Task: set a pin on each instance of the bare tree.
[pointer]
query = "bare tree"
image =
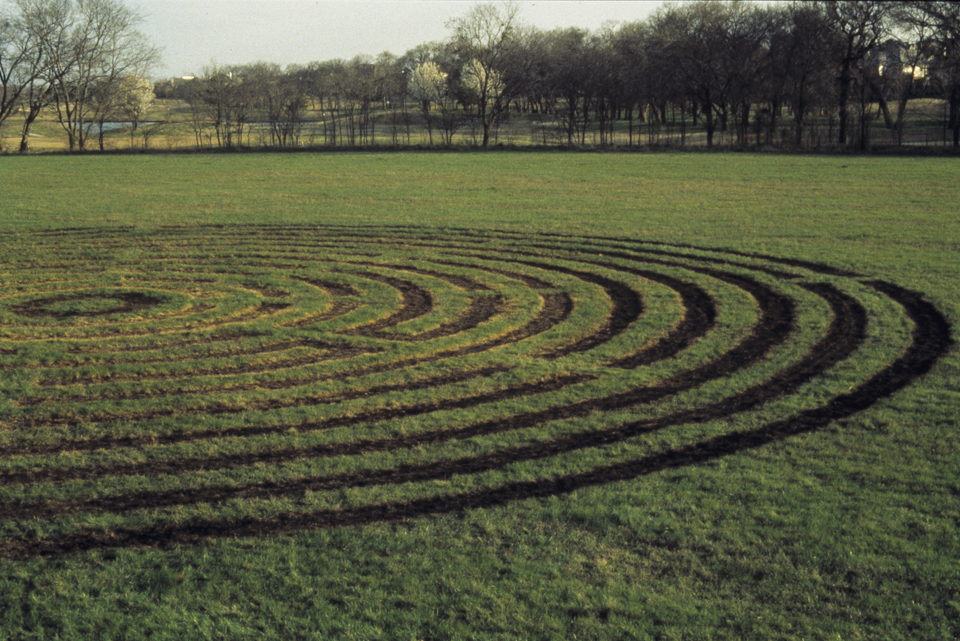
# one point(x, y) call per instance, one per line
point(800, 71)
point(24, 86)
point(18, 64)
point(483, 39)
point(136, 96)
point(860, 26)
point(88, 47)
point(689, 38)
point(942, 63)
point(902, 63)
point(566, 72)
point(630, 44)
point(224, 97)
point(361, 91)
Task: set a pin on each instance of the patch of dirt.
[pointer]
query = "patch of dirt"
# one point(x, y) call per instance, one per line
point(122, 303)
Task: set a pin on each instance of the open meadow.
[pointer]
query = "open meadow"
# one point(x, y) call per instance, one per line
point(479, 395)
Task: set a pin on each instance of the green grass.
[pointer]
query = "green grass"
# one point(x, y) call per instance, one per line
point(850, 531)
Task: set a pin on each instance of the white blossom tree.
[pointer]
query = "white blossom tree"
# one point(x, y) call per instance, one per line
point(428, 85)
point(136, 96)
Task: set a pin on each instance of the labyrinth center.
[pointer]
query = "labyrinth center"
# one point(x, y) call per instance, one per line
point(204, 382)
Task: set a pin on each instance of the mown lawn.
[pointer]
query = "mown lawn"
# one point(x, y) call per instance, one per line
point(849, 531)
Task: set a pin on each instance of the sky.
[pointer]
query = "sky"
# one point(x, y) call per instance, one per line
point(194, 34)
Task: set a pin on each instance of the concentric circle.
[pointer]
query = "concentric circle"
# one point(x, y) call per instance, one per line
point(85, 305)
point(252, 380)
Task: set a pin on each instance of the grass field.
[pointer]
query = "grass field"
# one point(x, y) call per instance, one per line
point(479, 395)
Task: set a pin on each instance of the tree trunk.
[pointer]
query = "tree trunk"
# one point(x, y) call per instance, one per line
point(798, 114)
point(708, 113)
point(31, 116)
point(955, 115)
point(844, 99)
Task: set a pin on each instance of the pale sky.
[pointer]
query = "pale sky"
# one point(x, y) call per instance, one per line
point(197, 33)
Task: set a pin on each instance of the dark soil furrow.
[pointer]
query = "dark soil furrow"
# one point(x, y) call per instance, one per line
point(194, 339)
point(280, 247)
point(462, 282)
point(778, 273)
point(931, 340)
point(627, 308)
point(846, 333)
point(332, 288)
point(328, 352)
point(699, 317)
point(530, 281)
point(186, 437)
point(415, 302)
point(773, 328)
point(120, 331)
point(555, 310)
point(337, 309)
point(275, 456)
point(480, 310)
point(229, 351)
point(818, 268)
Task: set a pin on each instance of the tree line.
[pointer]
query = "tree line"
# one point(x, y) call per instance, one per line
point(798, 74)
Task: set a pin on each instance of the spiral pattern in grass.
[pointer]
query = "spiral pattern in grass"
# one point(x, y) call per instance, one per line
point(200, 382)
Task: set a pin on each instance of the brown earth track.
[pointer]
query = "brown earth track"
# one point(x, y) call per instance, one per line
point(192, 310)
point(700, 309)
point(480, 310)
point(462, 282)
point(332, 288)
point(530, 281)
point(656, 252)
point(439, 244)
point(589, 277)
point(846, 333)
point(699, 318)
point(773, 328)
point(193, 339)
point(105, 443)
point(227, 352)
point(127, 303)
point(930, 340)
point(627, 308)
point(556, 308)
point(263, 310)
point(180, 466)
point(818, 268)
point(329, 352)
point(337, 309)
point(266, 291)
point(676, 339)
point(415, 302)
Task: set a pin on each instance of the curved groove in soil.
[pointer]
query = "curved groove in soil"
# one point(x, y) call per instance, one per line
point(556, 308)
point(776, 323)
point(930, 340)
point(415, 301)
point(773, 328)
